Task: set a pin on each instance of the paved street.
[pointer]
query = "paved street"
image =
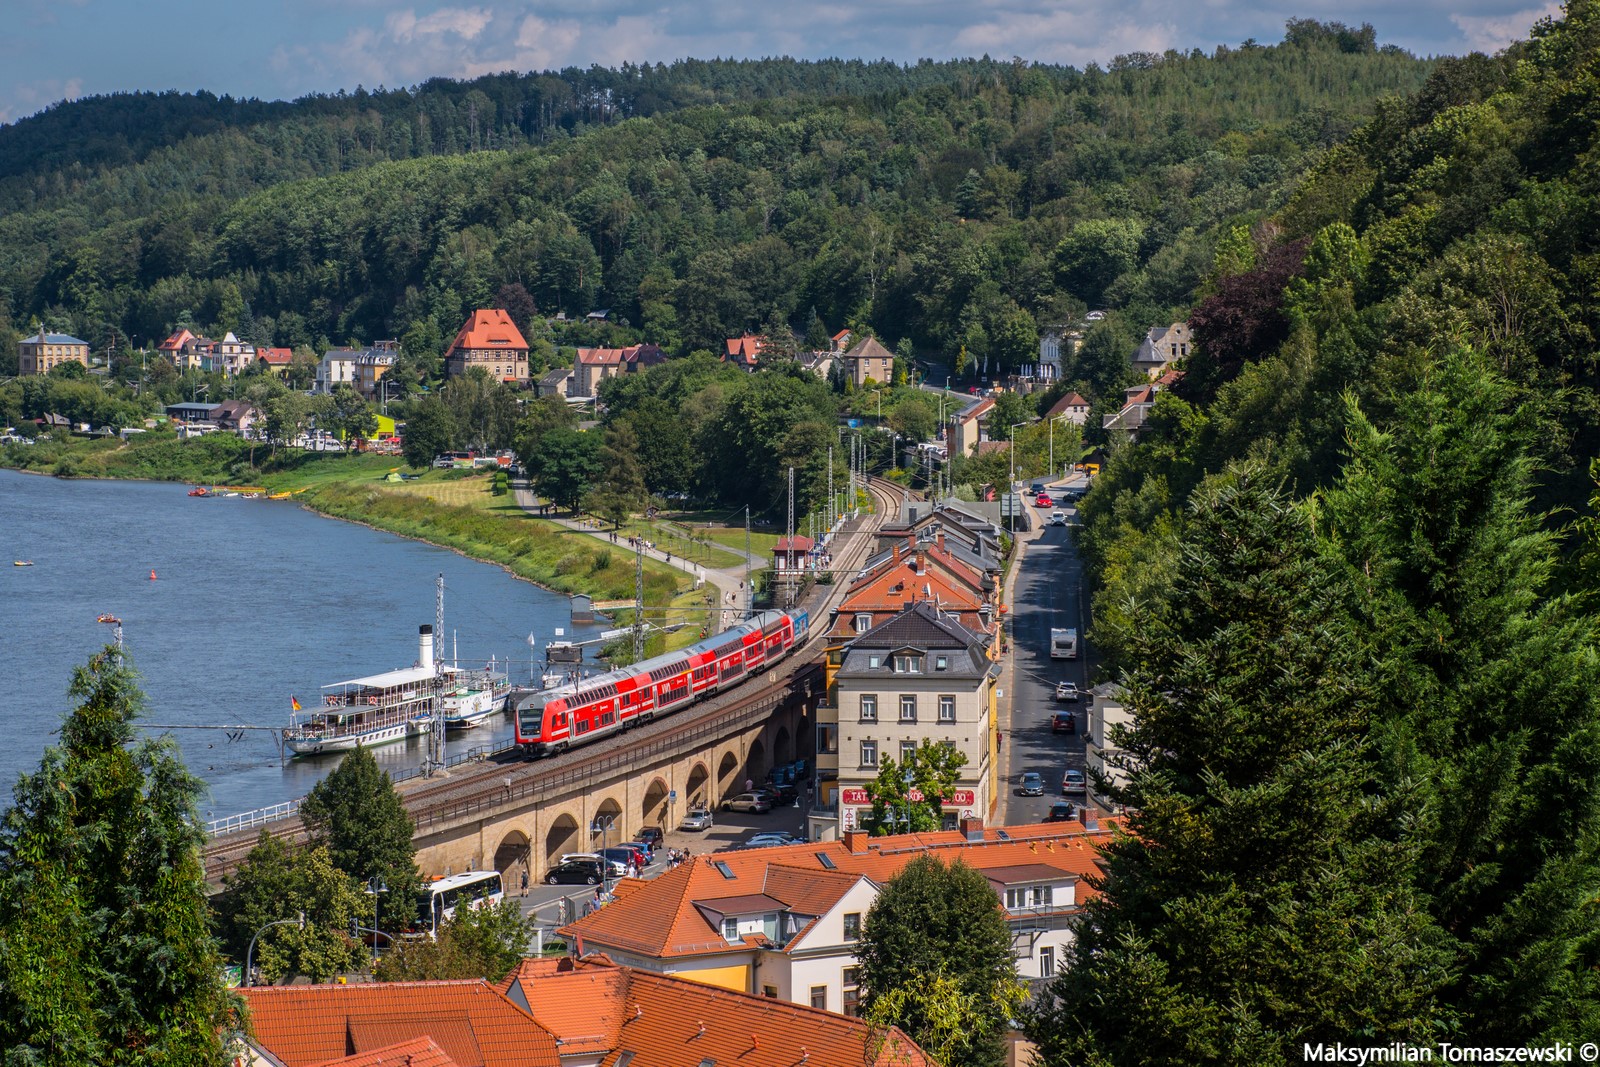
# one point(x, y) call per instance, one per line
point(1047, 593)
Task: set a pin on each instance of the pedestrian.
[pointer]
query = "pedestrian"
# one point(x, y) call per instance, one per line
point(524, 881)
point(749, 785)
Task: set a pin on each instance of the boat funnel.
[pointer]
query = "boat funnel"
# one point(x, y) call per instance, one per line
point(425, 647)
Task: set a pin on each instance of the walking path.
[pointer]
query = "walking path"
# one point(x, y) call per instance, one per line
point(729, 582)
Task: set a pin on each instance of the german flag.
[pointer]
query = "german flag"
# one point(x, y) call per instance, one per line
point(293, 703)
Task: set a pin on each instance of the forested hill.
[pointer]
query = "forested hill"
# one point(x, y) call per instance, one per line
point(930, 202)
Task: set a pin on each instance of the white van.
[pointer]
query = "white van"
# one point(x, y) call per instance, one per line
point(1063, 644)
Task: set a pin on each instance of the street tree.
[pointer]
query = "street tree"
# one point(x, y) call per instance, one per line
point(473, 943)
point(357, 814)
point(278, 883)
point(931, 772)
point(1258, 900)
point(936, 960)
point(105, 953)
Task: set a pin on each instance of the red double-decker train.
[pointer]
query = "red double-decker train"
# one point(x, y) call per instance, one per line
point(556, 719)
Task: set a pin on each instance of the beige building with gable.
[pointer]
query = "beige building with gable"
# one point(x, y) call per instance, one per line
point(44, 352)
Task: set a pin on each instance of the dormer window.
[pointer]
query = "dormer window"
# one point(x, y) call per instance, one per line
point(941, 663)
point(874, 662)
point(730, 929)
point(863, 622)
point(908, 664)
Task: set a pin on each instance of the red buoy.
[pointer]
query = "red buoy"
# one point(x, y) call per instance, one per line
point(152, 576)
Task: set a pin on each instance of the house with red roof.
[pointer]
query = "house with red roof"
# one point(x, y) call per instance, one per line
point(1072, 407)
point(966, 427)
point(912, 570)
point(276, 359)
point(1136, 404)
point(605, 1013)
point(785, 922)
point(489, 339)
point(183, 350)
point(743, 352)
point(595, 365)
point(467, 1023)
point(792, 553)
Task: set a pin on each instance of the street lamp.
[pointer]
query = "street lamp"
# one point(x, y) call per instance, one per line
point(1012, 488)
point(383, 386)
point(602, 825)
point(249, 953)
point(375, 885)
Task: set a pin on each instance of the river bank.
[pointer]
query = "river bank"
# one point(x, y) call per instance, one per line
point(449, 509)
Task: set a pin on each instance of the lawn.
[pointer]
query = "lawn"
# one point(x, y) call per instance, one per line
point(673, 537)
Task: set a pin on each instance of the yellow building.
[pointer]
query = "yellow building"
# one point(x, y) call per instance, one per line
point(45, 352)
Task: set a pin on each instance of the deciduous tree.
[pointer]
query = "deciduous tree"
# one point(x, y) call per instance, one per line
point(357, 814)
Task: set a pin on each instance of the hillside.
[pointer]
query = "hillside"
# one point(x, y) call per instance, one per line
point(696, 201)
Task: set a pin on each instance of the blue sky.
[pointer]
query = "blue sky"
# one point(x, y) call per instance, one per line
point(277, 49)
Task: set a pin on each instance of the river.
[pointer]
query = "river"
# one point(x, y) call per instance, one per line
point(253, 602)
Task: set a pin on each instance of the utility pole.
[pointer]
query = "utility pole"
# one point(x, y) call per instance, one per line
point(749, 589)
point(638, 599)
point(833, 501)
point(436, 752)
point(788, 586)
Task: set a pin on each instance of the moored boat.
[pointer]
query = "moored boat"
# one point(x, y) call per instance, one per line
point(470, 697)
point(365, 712)
point(108, 617)
point(22, 563)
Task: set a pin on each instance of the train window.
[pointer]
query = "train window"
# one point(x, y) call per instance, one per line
point(608, 718)
point(581, 727)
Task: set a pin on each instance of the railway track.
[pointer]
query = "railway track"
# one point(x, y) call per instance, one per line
point(436, 804)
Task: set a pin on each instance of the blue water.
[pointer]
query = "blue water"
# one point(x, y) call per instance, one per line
point(254, 601)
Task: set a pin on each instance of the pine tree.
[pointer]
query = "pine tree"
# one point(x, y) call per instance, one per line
point(936, 961)
point(1251, 907)
point(105, 955)
point(357, 814)
point(1496, 691)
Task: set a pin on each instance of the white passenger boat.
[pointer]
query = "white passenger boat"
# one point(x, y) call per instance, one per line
point(470, 697)
point(365, 712)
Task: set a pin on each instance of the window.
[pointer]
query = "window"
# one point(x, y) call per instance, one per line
point(869, 707)
point(908, 707)
point(819, 997)
point(908, 664)
point(770, 991)
point(941, 663)
point(869, 753)
point(1047, 961)
point(852, 991)
point(947, 709)
point(1027, 896)
point(874, 662)
point(852, 926)
point(863, 622)
point(730, 929)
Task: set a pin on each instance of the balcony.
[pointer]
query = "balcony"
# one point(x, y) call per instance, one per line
point(828, 761)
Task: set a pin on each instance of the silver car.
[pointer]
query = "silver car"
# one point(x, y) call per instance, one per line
point(698, 819)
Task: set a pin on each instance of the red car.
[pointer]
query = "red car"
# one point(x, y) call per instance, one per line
point(1063, 722)
point(1043, 501)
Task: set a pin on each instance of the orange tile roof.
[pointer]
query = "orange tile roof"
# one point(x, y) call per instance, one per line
point(489, 328)
point(744, 350)
point(673, 1022)
point(584, 1009)
point(662, 919)
point(473, 1023)
point(418, 1052)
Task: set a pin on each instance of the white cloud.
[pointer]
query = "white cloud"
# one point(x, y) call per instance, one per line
point(1490, 33)
point(466, 23)
point(24, 100)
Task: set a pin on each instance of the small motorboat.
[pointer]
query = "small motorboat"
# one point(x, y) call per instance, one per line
point(108, 617)
point(278, 496)
point(22, 563)
point(199, 490)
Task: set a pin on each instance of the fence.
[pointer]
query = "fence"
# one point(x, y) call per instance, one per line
point(248, 819)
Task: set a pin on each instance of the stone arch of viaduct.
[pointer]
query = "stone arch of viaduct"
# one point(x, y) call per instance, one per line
point(656, 792)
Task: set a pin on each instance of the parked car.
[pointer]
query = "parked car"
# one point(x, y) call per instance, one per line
point(773, 839)
point(697, 819)
point(1063, 722)
point(643, 847)
point(1073, 782)
point(756, 802)
point(652, 836)
point(1060, 811)
point(574, 872)
point(624, 856)
point(1068, 691)
point(1032, 785)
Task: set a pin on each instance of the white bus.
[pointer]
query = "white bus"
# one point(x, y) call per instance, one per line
point(441, 897)
point(1063, 644)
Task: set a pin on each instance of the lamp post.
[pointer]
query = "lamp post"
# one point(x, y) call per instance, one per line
point(1012, 488)
point(375, 885)
point(249, 953)
point(602, 825)
point(383, 386)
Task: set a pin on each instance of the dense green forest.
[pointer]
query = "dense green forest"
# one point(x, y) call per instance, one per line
point(1346, 576)
point(955, 204)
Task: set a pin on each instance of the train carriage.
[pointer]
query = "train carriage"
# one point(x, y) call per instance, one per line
point(556, 719)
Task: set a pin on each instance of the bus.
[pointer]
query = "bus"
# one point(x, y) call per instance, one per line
point(441, 897)
point(1063, 644)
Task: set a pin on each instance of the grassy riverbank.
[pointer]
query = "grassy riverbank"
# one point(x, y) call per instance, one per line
point(452, 509)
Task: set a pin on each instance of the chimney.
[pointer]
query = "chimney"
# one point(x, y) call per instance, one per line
point(922, 560)
point(425, 647)
point(897, 551)
point(855, 841)
point(939, 539)
point(1091, 821)
point(972, 828)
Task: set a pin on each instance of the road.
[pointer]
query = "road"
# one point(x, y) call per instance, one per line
point(1047, 593)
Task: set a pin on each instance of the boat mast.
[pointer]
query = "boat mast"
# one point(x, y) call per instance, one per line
point(436, 733)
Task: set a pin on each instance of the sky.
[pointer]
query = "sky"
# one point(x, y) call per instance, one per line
point(52, 50)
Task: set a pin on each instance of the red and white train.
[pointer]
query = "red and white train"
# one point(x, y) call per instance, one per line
point(556, 719)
